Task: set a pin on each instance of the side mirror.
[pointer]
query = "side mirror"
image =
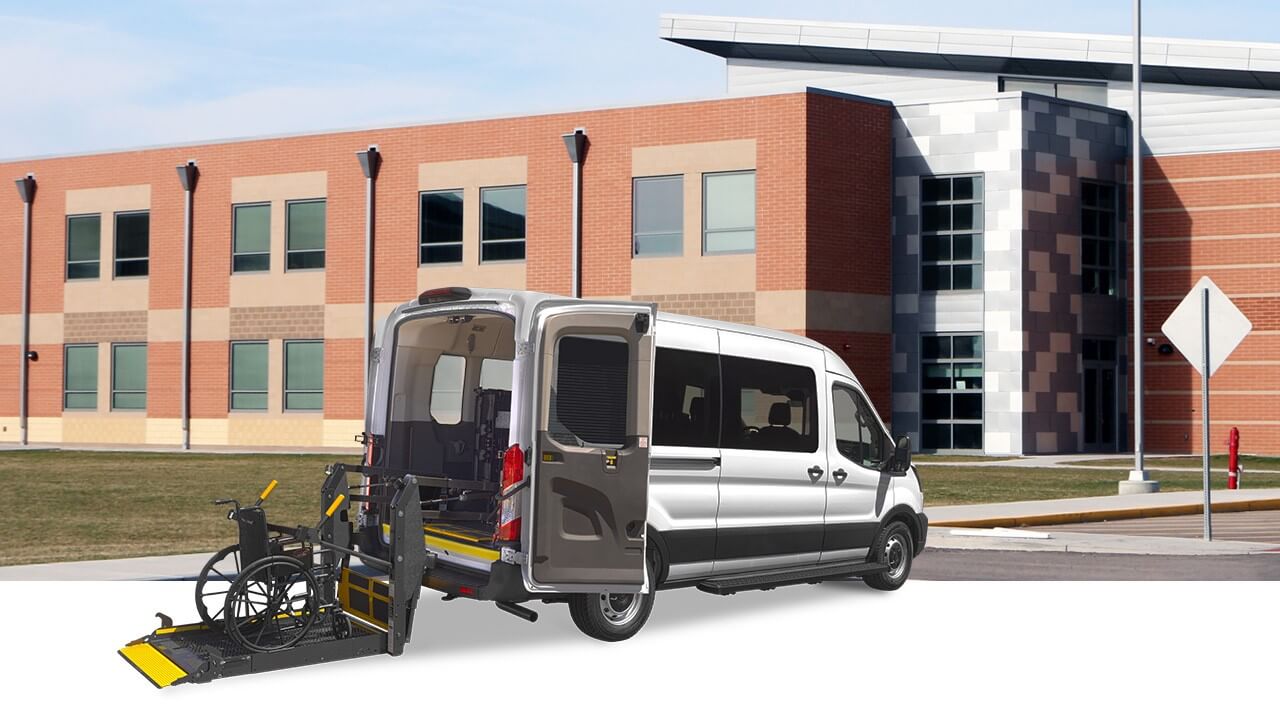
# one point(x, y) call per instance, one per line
point(900, 462)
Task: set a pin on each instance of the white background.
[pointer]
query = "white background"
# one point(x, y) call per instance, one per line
point(837, 647)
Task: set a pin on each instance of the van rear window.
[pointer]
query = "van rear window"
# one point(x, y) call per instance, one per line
point(768, 406)
point(686, 398)
point(589, 398)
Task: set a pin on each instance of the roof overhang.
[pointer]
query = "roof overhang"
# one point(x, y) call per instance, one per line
point(1061, 55)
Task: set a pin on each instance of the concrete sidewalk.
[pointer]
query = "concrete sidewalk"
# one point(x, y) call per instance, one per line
point(146, 568)
point(944, 537)
point(1071, 511)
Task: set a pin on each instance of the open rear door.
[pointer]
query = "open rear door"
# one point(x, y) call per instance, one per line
point(591, 468)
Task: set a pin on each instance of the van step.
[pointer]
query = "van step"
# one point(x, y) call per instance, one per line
point(726, 585)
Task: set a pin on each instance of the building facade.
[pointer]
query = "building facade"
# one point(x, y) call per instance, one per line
point(949, 210)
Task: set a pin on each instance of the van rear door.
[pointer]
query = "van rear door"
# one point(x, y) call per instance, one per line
point(590, 468)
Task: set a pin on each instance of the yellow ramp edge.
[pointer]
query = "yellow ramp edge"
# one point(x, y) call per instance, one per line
point(433, 539)
point(153, 664)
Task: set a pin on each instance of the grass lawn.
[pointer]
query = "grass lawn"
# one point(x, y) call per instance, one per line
point(1217, 461)
point(978, 485)
point(71, 506)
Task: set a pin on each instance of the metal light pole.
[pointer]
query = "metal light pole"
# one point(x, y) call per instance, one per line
point(370, 160)
point(27, 192)
point(1139, 480)
point(188, 174)
point(576, 143)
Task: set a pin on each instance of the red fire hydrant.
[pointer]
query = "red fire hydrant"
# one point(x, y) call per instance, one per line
point(1233, 459)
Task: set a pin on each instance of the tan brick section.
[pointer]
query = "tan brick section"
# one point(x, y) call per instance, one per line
point(125, 326)
point(289, 322)
point(733, 307)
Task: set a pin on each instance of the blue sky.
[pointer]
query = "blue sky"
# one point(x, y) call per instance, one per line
point(87, 76)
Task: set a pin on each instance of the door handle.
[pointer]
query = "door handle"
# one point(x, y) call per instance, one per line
point(840, 475)
point(815, 472)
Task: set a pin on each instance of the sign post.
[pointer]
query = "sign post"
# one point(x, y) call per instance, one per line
point(1206, 327)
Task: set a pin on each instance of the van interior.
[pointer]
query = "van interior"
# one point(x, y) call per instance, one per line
point(450, 409)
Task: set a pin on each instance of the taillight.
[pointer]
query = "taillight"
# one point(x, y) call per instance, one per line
point(509, 507)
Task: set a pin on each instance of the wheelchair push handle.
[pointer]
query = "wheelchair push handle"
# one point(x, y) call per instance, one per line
point(267, 492)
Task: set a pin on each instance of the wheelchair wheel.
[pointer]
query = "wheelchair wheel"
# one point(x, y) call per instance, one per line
point(214, 583)
point(271, 605)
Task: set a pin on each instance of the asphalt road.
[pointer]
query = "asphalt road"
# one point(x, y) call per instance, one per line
point(1260, 526)
point(975, 565)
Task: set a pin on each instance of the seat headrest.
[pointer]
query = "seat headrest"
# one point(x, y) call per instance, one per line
point(780, 414)
point(696, 407)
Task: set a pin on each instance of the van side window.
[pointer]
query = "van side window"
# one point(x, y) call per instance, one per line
point(858, 435)
point(768, 406)
point(495, 374)
point(686, 398)
point(446, 389)
point(589, 398)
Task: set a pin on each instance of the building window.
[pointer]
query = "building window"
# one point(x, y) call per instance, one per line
point(84, 237)
point(251, 238)
point(128, 377)
point(248, 376)
point(440, 227)
point(80, 377)
point(951, 233)
point(303, 374)
point(657, 216)
point(1090, 92)
point(951, 392)
point(729, 212)
point(304, 235)
point(1098, 237)
point(133, 243)
point(502, 223)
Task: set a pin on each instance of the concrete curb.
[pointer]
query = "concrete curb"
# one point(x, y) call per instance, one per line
point(1081, 517)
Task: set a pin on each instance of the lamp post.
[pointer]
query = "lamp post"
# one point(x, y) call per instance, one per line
point(188, 175)
point(1139, 480)
point(576, 144)
point(27, 192)
point(370, 160)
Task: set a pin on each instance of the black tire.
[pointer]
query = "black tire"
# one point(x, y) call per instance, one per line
point(218, 574)
point(893, 546)
point(271, 605)
point(616, 617)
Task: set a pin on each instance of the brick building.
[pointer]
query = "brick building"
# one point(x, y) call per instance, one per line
point(945, 209)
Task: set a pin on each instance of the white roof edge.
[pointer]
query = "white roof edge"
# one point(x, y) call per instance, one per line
point(668, 20)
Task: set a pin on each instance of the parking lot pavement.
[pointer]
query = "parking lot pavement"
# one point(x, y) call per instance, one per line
point(1253, 526)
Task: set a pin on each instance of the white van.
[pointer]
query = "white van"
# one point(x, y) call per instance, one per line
point(597, 452)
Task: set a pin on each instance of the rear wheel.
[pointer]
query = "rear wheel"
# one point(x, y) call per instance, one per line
point(893, 547)
point(214, 583)
point(614, 616)
point(271, 605)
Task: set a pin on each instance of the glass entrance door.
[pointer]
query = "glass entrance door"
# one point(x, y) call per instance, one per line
point(1099, 395)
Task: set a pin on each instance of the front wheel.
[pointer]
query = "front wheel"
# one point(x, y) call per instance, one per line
point(893, 548)
point(613, 617)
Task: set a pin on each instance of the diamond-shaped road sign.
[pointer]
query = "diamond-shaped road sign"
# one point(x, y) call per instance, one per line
point(1227, 326)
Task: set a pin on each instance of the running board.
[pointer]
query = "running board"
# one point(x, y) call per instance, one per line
point(726, 585)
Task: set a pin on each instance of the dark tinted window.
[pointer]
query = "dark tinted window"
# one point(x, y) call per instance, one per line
point(251, 238)
point(951, 233)
point(768, 406)
point(502, 217)
point(83, 236)
point(304, 235)
point(133, 243)
point(441, 229)
point(686, 398)
point(589, 398)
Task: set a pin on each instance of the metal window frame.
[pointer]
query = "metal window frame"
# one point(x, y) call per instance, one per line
point(952, 391)
point(284, 386)
point(1112, 243)
point(114, 390)
point(495, 241)
point(980, 201)
point(288, 231)
point(636, 235)
point(66, 349)
point(231, 376)
point(1055, 81)
point(461, 242)
point(234, 254)
point(705, 231)
point(115, 245)
point(66, 272)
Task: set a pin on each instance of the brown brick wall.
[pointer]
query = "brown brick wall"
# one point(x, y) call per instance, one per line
point(105, 327)
point(733, 307)
point(289, 322)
